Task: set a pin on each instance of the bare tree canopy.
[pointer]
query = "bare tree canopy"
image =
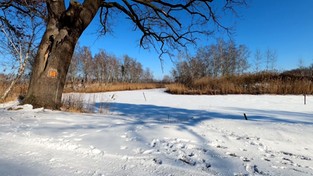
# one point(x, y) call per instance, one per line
point(171, 23)
point(164, 25)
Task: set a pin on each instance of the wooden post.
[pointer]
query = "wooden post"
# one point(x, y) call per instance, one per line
point(244, 114)
point(144, 96)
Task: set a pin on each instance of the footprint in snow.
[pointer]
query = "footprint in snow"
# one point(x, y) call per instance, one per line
point(123, 147)
point(95, 151)
point(218, 146)
point(231, 154)
point(69, 135)
point(77, 139)
point(245, 159)
point(124, 136)
point(301, 157)
point(157, 160)
point(265, 159)
point(252, 169)
point(148, 151)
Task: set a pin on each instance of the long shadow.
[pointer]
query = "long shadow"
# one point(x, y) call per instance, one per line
point(131, 115)
point(277, 116)
point(8, 167)
point(163, 114)
point(146, 115)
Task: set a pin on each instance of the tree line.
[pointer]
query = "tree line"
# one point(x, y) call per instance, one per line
point(222, 59)
point(105, 68)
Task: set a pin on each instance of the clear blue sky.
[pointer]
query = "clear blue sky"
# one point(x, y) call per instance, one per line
point(284, 26)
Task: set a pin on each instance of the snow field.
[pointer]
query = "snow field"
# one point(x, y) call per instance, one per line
point(149, 132)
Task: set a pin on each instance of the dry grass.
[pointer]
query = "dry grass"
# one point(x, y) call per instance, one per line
point(21, 89)
point(265, 83)
point(18, 90)
point(73, 103)
point(76, 103)
point(98, 87)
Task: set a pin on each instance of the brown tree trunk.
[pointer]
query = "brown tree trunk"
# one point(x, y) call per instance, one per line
point(55, 51)
point(49, 72)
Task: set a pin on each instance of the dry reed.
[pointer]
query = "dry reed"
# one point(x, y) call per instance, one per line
point(17, 90)
point(265, 83)
point(101, 87)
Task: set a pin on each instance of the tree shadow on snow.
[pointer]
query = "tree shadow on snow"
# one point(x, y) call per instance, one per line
point(277, 116)
point(132, 116)
point(9, 167)
point(163, 114)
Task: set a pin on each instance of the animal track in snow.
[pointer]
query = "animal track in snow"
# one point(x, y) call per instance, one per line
point(181, 151)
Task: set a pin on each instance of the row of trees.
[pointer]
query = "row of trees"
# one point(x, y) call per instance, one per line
point(220, 59)
point(105, 68)
point(225, 58)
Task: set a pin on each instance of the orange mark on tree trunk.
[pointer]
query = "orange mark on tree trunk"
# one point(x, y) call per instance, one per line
point(52, 73)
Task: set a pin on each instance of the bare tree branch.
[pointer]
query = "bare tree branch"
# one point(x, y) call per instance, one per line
point(165, 21)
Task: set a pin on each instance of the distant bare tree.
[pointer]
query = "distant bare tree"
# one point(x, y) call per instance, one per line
point(131, 70)
point(301, 63)
point(74, 69)
point(181, 73)
point(196, 68)
point(301, 66)
point(258, 57)
point(167, 79)
point(86, 61)
point(114, 69)
point(147, 76)
point(221, 59)
point(242, 59)
point(271, 59)
point(100, 66)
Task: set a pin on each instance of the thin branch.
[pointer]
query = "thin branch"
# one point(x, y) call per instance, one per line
point(158, 20)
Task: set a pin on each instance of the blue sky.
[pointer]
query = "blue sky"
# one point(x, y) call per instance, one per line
point(283, 26)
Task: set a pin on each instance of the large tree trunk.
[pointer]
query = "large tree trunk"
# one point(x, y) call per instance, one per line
point(55, 51)
point(49, 72)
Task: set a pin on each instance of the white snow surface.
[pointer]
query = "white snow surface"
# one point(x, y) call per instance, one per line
point(150, 132)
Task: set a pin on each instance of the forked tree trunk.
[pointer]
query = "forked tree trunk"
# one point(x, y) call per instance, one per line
point(49, 72)
point(55, 51)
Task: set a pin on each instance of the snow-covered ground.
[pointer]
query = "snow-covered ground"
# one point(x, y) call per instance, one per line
point(149, 132)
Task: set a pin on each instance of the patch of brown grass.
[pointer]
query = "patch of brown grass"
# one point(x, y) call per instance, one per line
point(17, 90)
point(177, 88)
point(73, 103)
point(264, 83)
point(98, 87)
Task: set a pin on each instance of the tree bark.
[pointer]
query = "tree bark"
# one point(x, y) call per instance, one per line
point(55, 51)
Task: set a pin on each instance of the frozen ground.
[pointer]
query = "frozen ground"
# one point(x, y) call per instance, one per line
point(149, 132)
